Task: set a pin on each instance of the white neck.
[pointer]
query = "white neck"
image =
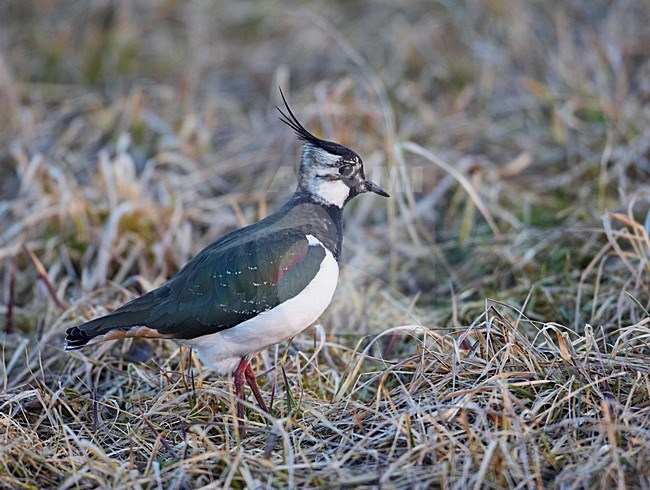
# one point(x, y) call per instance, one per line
point(329, 192)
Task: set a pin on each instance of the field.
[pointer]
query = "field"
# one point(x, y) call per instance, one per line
point(490, 328)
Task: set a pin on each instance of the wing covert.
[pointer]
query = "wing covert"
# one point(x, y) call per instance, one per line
point(221, 288)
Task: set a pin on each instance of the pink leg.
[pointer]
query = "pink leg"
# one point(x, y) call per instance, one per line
point(240, 376)
point(244, 372)
point(252, 382)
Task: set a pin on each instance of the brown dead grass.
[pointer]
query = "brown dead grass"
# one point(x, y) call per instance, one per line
point(490, 329)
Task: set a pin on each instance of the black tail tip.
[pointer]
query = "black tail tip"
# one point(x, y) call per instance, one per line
point(75, 338)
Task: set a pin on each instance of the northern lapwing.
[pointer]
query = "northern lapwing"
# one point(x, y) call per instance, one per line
point(258, 285)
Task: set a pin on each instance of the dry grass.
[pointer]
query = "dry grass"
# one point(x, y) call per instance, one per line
point(491, 324)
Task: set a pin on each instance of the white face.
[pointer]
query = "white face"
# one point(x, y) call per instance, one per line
point(330, 192)
point(321, 176)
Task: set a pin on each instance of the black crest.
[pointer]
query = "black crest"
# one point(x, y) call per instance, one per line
point(329, 146)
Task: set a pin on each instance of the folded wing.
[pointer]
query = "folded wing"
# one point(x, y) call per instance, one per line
point(218, 289)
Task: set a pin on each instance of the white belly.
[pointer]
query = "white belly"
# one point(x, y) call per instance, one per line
point(223, 350)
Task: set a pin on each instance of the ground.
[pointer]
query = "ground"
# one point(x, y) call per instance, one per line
point(490, 328)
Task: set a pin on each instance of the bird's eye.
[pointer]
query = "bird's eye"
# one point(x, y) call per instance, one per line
point(345, 170)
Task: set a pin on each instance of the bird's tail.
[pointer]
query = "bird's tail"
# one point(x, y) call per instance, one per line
point(112, 326)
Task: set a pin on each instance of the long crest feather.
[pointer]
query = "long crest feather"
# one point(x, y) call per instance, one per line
point(292, 121)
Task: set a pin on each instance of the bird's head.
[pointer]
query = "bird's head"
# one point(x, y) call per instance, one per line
point(330, 173)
